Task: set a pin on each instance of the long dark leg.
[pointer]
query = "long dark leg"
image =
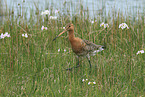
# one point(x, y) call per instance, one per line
point(78, 64)
point(74, 66)
point(88, 57)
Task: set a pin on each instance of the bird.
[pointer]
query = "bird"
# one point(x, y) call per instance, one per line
point(81, 47)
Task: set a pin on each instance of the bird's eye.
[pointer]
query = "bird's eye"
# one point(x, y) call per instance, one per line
point(69, 26)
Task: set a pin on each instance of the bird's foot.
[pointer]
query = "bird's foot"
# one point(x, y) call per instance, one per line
point(69, 69)
point(73, 67)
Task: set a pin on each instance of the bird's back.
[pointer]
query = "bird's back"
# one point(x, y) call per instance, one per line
point(92, 48)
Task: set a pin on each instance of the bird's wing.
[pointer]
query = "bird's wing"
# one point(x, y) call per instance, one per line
point(91, 46)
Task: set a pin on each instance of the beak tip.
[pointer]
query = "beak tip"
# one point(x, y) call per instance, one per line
point(54, 38)
point(59, 34)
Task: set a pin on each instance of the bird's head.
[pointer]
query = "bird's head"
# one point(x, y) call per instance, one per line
point(69, 27)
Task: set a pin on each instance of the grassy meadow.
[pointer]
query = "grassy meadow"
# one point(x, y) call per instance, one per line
point(35, 66)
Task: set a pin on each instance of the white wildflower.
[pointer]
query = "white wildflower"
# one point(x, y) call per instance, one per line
point(6, 34)
point(104, 25)
point(25, 35)
point(46, 12)
point(53, 17)
point(94, 82)
point(2, 36)
point(83, 80)
point(140, 52)
point(42, 28)
point(56, 11)
point(89, 83)
point(123, 26)
point(64, 50)
point(58, 50)
point(92, 22)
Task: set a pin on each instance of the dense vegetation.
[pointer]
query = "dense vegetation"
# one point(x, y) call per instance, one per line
point(34, 65)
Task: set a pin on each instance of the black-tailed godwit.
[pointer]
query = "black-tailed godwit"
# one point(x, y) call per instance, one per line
point(79, 46)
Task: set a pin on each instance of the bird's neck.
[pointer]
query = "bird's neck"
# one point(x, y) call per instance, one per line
point(71, 35)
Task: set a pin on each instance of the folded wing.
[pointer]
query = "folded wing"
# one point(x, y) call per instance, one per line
point(92, 48)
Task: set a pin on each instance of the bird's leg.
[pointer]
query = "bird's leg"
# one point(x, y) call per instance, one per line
point(88, 57)
point(75, 66)
point(78, 64)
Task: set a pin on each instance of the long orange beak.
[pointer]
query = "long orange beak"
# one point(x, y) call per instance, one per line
point(60, 34)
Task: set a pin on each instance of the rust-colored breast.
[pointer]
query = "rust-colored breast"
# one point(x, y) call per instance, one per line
point(78, 47)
